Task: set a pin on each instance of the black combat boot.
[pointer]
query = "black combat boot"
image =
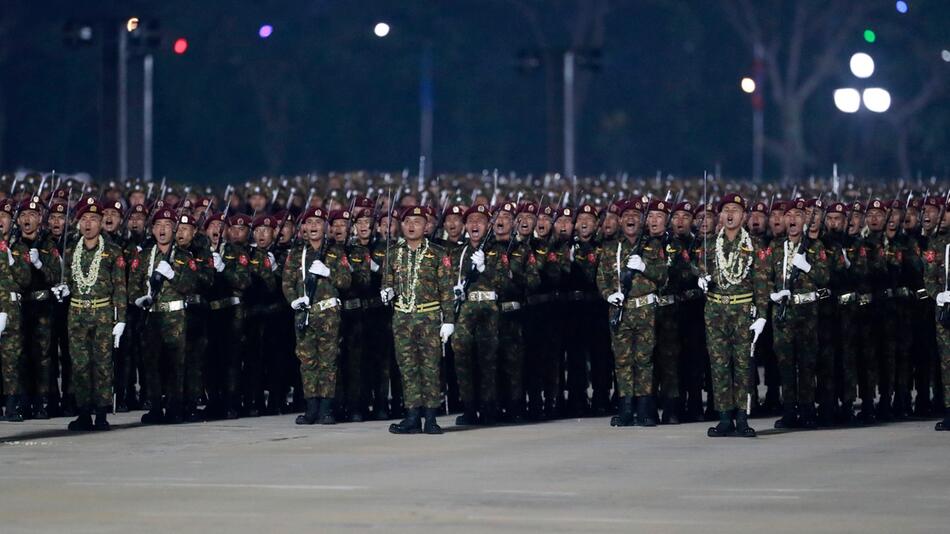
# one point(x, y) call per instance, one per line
point(626, 416)
point(514, 412)
point(789, 417)
point(313, 412)
point(82, 423)
point(326, 412)
point(14, 412)
point(154, 415)
point(743, 430)
point(845, 415)
point(431, 426)
point(808, 420)
point(671, 414)
point(101, 423)
point(867, 415)
point(39, 408)
point(380, 413)
point(646, 408)
point(410, 425)
point(174, 413)
point(355, 414)
point(468, 418)
point(725, 426)
point(488, 414)
point(694, 408)
point(944, 426)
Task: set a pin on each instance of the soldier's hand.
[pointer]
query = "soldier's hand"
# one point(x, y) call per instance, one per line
point(847, 262)
point(117, 333)
point(570, 252)
point(273, 261)
point(799, 261)
point(143, 302)
point(35, 258)
point(757, 326)
point(635, 263)
point(300, 303)
point(615, 299)
point(478, 260)
point(703, 282)
point(779, 295)
point(3, 322)
point(459, 291)
point(60, 292)
point(943, 297)
point(373, 266)
point(387, 294)
point(9, 257)
point(218, 262)
point(446, 331)
point(319, 268)
point(165, 269)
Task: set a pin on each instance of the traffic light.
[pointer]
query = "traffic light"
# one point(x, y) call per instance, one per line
point(181, 46)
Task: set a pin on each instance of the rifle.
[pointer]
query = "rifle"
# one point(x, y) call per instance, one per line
point(157, 281)
point(62, 253)
point(442, 213)
point(803, 245)
point(626, 275)
point(472, 276)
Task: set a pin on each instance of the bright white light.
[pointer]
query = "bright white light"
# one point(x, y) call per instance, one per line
point(862, 65)
point(132, 24)
point(381, 29)
point(748, 85)
point(945, 55)
point(847, 100)
point(876, 99)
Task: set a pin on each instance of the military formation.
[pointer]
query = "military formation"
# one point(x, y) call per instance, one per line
point(499, 298)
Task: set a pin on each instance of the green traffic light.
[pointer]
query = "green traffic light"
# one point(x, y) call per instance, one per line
point(869, 35)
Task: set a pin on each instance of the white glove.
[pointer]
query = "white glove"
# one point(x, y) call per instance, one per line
point(3, 322)
point(9, 257)
point(758, 326)
point(943, 298)
point(386, 294)
point(373, 266)
point(143, 302)
point(61, 291)
point(478, 260)
point(117, 333)
point(615, 299)
point(446, 331)
point(459, 291)
point(35, 258)
point(847, 262)
point(778, 296)
point(799, 261)
point(570, 252)
point(300, 303)
point(218, 262)
point(703, 282)
point(165, 269)
point(273, 261)
point(636, 263)
point(319, 268)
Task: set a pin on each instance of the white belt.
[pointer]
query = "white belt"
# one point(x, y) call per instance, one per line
point(667, 300)
point(639, 302)
point(481, 296)
point(352, 304)
point(326, 304)
point(15, 297)
point(804, 298)
point(510, 306)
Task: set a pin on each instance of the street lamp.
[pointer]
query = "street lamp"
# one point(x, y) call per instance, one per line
point(381, 29)
point(876, 99)
point(847, 100)
point(748, 85)
point(862, 65)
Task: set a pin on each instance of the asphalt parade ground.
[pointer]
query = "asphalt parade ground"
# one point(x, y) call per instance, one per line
point(577, 475)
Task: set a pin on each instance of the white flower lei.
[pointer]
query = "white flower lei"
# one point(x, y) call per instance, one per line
point(85, 281)
point(789, 249)
point(412, 274)
point(732, 270)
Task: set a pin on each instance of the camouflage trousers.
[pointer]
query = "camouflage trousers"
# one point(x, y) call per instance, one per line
point(878, 333)
point(318, 349)
point(828, 347)
point(730, 353)
point(418, 352)
point(11, 350)
point(796, 346)
point(350, 385)
point(475, 343)
point(943, 348)
point(511, 356)
point(90, 345)
point(37, 334)
point(164, 355)
point(666, 354)
point(60, 373)
point(196, 346)
point(904, 326)
point(543, 351)
point(850, 317)
point(379, 355)
point(633, 343)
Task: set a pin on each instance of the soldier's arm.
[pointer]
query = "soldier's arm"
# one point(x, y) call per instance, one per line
point(820, 270)
point(655, 260)
point(607, 275)
point(933, 270)
point(446, 280)
point(361, 273)
point(340, 271)
point(21, 267)
point(236, 272)
point(264, 273)
point(117, 278)
point(532, 275)
point(290, 280)
point(186, 269)
point(51, 267)
point(136, 281)
point(762, 281)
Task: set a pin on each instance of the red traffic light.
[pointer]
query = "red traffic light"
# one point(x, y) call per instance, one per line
point(181, 45)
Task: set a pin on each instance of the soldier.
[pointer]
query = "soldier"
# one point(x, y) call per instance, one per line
point(797, 273)
point(14, 278)
point(693, 362)
point(419, 278)
point(628, 276)
point(936, 269)
point(735, 277)
point(927, 359)
point(161, 278)
point(666, 353)
point(453, 229)
point(196, 315)
point(312, 280)
point(263, 300)
point(540, 321)
point(61, 400)
point(129, 354)
point(96, 280)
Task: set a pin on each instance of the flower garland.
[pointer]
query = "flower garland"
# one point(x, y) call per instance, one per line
point(789, 249)
point(733, 269)
point(86, 281)
point(411, 279)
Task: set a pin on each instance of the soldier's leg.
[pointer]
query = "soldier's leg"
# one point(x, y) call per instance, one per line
point(486, 341)
point(717, 341)
point(784, 346)
point(82, 347)
point(101, 366)
point(887, 358)
point(463, 342)
point(175, 327)
point(943, 347)
point(576, 363)
point(511, 364)
point(925, 337)
point(644, 343)
point(328, 357)
point(353, 360)
point(406, 358)
point(601, 358)
point(902, 358)
point(622, 338)
point(196, 346)
point(11, 361)
point(825, 364)
point(552, 347)
point(850, 343)
point(40, 356)
point(153, 349)
point(806, 354)
point(252, 370)
point(666, 358)
point(237, 345)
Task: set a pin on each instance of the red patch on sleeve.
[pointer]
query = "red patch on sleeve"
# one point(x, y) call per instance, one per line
point(135, 263)
point(192, 265)
point(120, 262)
point(900, 255)
point(242, 260)
point(881, 252)
point(552, 256)
point(930, 256)
point(822, 255)
point(3, 246)
point(26, 258)
point(344, 261)
point(863, 252)
point(55, 252)
point(591, 257)
point(762, 254)
point(504, 259)
point(267, 263)
point(662, 254)
point(531, 259)
point(446, 262)
point(685, 254)
point(211, 262)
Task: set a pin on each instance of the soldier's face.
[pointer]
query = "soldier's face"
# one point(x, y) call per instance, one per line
point(930, 218)
point(875, 220)
point(526, 223)
point(564, 227)
point(586, 224)
point(111, 220)
point(503, 224)
point(757, 222)
point(453, 226)
point(656, 222)
point(732, 216)
point(894, 220)
point(854, 222)
point(338, 230)
point(911, 219)
point(314, 227)
point(136, 197)
point(258, 202)
point(834, 222)
point(477, 226)
point(5, 220)
point(794, 219)
point(286, 232)
point(611, 224)
point(682, 222)
point(777, 222)
point(29, 222)
point(57, 222)
point(184, 235)
point(90, 224)
point(264, 236)
point(364, 228)
point(544, 225)
point(413, 227)
point(214, 231)
point(162, 231)
point(386, 227)
point(137, 222)
point(630, 223)
point(237, 234)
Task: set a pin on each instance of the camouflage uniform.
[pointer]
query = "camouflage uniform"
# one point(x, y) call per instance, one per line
point(666, 354)
point(879, 326)
point(523, 267)
point(418, 316)
point(353, 333)
point(129, 365)
point(935, 268)
point(13, 279)
point(543, 331)
point(226, 327)
point(92, 316)
point(196, 320)
point(846, 338)
point(37, 323)
point(584, 348)
point(380, 357)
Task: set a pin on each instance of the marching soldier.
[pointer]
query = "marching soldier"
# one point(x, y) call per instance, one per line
point(14, 278)
point(264, 300)
point(196, 316)
point(666, 353)
point(61, 400)
point(937, 277)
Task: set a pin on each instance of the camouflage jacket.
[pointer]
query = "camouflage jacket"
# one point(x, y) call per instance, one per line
point(296, 270)
point(49, 275)
point(757, 280)
point(496, 273)
point(782, 269)
point(431, 268)
point(111, 282)
point(935, 264)
point(265, 288)
point(236, 276)
point(584, 267)
point(613, 266)
point(523, 268)
point(550, 266)
point(361, 281)
point(178, 288)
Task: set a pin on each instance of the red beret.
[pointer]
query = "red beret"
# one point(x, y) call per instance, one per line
point(616, 206)
point(547, 210)
point(760, 207)
point(430, 211)
point(702, 208)
point(659, 205)
point(138, 208)
point(214, 217)
point(896, 204)
point(814, 203)
point(686, 206)
point(510, 207)
point(266, 220)
point(31, 204)
point(314, 212)
point(187, 219)
point(239, 220)
point(857, 205)
point(113, 205)
point(877, 204)
point(477, 208)
point(917, 203)
point(528, 207)
point(338, 215)
point(363, 202)
point(456, 210)
point(565, 212)
point(412, 211)
point(6, 206)
point(59, 206)
point(797, 204)
point(837, 207)
point(634, 204)
point(588, 209)
point(779, 205)
point(934, 201)
point(89, 205)
point(732, 198)
point(164, 214)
